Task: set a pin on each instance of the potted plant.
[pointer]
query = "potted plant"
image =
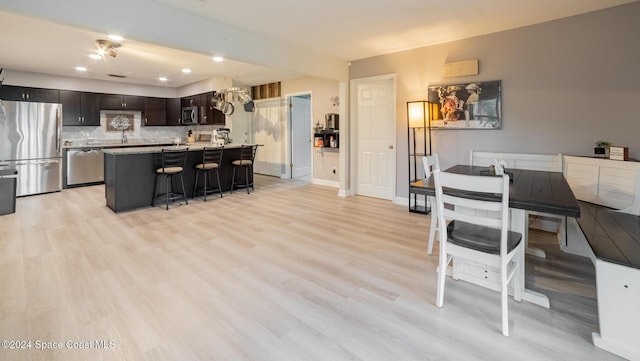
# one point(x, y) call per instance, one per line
point(601, 148)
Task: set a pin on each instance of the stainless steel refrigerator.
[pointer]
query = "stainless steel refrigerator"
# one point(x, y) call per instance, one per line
point(30, 142)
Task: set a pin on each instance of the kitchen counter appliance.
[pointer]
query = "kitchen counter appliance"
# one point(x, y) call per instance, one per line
point(221, 136)
point(30, 143)
point(85, 165)
point(332, 121)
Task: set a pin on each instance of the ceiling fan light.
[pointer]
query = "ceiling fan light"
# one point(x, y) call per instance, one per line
point(107, 47)
point(95, 56)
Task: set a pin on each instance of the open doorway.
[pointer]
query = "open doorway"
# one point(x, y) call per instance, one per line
point(300, 129)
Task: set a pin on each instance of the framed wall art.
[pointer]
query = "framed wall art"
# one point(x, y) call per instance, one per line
point(117, 122)
point(476, 105)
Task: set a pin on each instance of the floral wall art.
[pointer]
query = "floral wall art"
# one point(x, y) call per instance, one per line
point(118, 122)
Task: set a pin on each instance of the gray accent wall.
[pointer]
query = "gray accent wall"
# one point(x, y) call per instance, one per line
point(565, 85)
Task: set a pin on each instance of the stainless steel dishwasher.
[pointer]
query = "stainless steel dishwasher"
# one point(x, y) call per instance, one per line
point(85, 165)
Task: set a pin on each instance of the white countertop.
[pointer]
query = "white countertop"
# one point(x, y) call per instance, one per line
point(136, 143)
point(158, 149)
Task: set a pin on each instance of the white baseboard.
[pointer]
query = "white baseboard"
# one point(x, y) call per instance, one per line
point(326, 182)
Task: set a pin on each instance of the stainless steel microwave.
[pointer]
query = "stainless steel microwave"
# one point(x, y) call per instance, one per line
point(190, 115)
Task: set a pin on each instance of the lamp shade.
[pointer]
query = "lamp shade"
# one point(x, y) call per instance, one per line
point(417, 114)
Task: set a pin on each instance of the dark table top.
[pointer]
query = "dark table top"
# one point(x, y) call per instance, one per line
point(531, 190)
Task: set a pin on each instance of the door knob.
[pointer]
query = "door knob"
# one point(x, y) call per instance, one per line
point(391, 146)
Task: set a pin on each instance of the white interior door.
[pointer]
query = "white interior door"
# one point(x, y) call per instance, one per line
point(376, 159)
point(300, 116)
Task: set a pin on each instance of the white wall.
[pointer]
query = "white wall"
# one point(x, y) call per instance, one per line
point(39, 80)
point(322, 90)
point(565, 84)
point(153, 22)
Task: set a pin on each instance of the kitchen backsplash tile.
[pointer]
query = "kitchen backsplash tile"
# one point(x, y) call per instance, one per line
point(82, 135)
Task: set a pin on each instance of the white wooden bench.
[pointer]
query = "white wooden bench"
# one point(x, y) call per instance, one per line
point(613, 240)
point(540, 162)
point(609, 226)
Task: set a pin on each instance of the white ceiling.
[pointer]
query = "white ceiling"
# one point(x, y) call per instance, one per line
point(35, 45)
point(347, 30)
point(357, 29)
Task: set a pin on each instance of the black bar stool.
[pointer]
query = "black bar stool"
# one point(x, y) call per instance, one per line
point(247, 155)
point(211, 161)
point(173, 163)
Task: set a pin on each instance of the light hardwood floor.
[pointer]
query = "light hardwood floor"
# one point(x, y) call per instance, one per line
point(289, 272)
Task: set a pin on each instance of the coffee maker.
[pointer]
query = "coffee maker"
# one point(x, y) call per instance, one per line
point(331, 121)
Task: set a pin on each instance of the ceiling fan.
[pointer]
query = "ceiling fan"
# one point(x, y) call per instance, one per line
point(107, 47)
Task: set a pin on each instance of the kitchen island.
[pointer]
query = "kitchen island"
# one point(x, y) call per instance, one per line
point(129, 173)
point(84, 160)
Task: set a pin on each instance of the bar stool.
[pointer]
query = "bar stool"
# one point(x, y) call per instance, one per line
point(211, 161)
point(247, 155)
point(173, 163)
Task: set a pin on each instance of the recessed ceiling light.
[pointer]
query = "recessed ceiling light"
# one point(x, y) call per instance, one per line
point(116, 37)
point(95, 56)
point(162, 78)
point(218, 59)
point(81, 68)
point(186, 70)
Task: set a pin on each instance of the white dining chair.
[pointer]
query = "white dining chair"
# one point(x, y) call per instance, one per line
point(478, 231)
point(430, 164)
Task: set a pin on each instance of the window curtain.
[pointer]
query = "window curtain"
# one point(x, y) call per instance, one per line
point(268, 125)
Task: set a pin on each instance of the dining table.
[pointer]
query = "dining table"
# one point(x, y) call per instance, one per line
point(529, 191)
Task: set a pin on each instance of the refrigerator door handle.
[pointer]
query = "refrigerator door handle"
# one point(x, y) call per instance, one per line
point(58, 130)
point(48, 161)
point(33, 162)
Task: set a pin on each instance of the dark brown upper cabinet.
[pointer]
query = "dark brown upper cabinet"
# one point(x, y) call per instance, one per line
point(155, 111)
point(80, 108)
point(121, 102)
point(26, 94)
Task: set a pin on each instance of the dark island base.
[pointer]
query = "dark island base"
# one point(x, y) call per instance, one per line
point(130, 178)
